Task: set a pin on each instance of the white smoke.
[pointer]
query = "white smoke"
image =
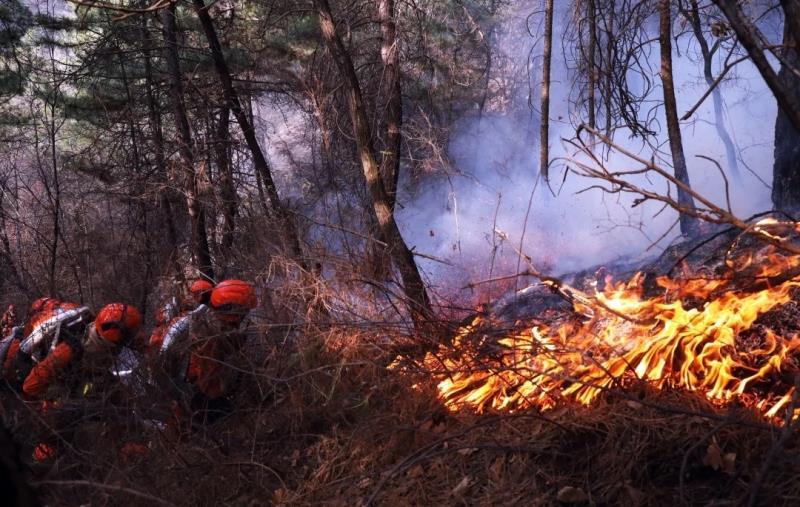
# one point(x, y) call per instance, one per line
point(495, 157)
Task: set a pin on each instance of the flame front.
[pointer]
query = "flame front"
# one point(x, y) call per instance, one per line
point(690, 336)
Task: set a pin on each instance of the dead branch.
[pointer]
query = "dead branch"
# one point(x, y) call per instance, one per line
point(709, 211)
point(713, 87)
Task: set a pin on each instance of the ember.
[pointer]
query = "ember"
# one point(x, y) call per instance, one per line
point(697, 334)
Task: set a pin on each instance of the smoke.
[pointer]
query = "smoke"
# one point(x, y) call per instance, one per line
point(495, 172)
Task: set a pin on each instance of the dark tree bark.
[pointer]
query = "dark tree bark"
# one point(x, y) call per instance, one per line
point(688, 224)
point(259, 160)
point(785, 86)
point(786, 165)
point(747, 34)
point(609, 62)
point(591, 15)
point(200, 246)
point(154, 117)
point(230, 201)
point(544, 132)
point(390, 164)
point(419, 304)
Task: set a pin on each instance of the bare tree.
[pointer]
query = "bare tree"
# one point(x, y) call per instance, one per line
point(785, 86)
point(708, 51)
point(547, 56)
point(419, 303)
point(390, 163)
point(259, 160)
point(689, 225)
point(199, 236)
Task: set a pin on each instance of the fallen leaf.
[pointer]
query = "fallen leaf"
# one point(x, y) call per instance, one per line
point(467, 451)
point(568, 494)
point(729, 463)
point(496, 468)
point(462, 486)
point(295, 457)
point(713, 457)
point(365, 483)
point(415, 472)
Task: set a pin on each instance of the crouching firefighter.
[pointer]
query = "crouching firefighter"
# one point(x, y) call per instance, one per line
point(195, 354)
point(72, 361)
point(50, 322)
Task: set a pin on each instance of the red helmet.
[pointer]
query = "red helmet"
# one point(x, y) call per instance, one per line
point(118, 322)
point(201, 289)
point(232, 299)
point(43, 303)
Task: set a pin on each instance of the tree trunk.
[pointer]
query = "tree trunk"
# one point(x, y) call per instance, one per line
point(185, 148)
point(788, 103)
point(544, 132)
point(390, 164)
point(419, 304)
point(591, 15)
point(609, 76)
point(716, 95)
point(259, 160)
point(689, 224)
point(230, 202)
point(158, 137)
point(786, 166)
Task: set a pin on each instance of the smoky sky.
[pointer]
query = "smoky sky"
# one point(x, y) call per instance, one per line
point(495, 157)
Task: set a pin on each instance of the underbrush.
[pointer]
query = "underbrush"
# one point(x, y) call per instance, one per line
point(318, 419)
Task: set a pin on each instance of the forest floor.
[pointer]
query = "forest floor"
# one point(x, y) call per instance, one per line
point(327, 418)
point(341, 429)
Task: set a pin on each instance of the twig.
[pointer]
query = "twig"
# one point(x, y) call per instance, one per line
point(108, 487)
point(711, 88)
point(788, 428)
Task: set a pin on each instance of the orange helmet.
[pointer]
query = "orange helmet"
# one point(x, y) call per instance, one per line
point(231, 299)
point(43, 303)
point(118, 322)
point(201, 289)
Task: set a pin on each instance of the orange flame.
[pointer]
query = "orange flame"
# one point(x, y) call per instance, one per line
point(685, 337)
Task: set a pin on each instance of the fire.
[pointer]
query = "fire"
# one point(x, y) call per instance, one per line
point(697, 334)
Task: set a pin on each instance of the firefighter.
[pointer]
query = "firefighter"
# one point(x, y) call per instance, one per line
point(200, 291)
point(115, 326)
point(78, 365)
point(219, 337)
point(193, 350)
point(49, 322)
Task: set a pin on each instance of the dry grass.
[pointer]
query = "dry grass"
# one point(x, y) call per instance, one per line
point(318, 419)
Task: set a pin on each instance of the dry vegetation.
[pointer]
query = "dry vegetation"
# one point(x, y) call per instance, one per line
point(320, 418)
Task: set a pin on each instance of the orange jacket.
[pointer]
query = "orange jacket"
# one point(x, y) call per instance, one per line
point(46, 371)
point(201, 344)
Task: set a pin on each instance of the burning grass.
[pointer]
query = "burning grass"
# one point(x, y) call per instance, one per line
point(730, 336)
